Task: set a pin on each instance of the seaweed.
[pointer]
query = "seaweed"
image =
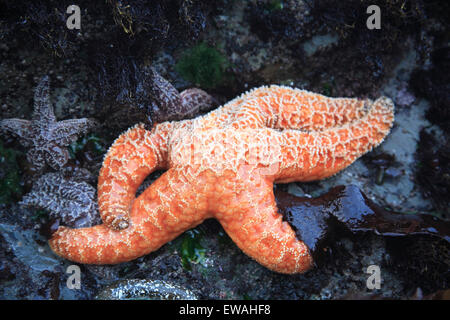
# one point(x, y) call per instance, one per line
point(151, 22)
point(87, 149)
point(44, 22)
point(433, 171)
point(157, 18)
point(347, 208)
point(202, 65)
point(191, 251)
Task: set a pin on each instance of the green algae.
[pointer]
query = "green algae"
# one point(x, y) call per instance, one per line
point(202, 65)
point(191, 251)
point(90, 142)
point(275, 5)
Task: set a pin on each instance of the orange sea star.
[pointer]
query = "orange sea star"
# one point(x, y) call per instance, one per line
point(223, 165)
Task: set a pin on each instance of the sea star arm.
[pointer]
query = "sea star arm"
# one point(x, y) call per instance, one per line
point(166, 100)
point(67, 131)
point(308, 156)
point(173, 105)
point(37, 158)
point(251, 219)
point(55, 155)
point(132, 157)
point(289, 108)
point(195, 100)
point(43, 109)
point(19, 128)
point(162, 212)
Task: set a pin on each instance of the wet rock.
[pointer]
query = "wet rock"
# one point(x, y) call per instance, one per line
point(420, 262)
point(434, 84)
point(384, 164)
point(137, 289)
point(433, 171)
point(314, 219)
point(404, 97)
point(276, 20)
point(438, 295)
point(29, 269)
point(26, 249)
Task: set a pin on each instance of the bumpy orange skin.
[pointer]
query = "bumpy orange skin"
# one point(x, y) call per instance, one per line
point(223, 165)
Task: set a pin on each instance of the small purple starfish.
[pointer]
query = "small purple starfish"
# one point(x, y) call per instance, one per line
point(46, 137)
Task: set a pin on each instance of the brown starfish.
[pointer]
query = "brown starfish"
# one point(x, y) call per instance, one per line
point(46, 137)
point(148, 97)
point(169, 104)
